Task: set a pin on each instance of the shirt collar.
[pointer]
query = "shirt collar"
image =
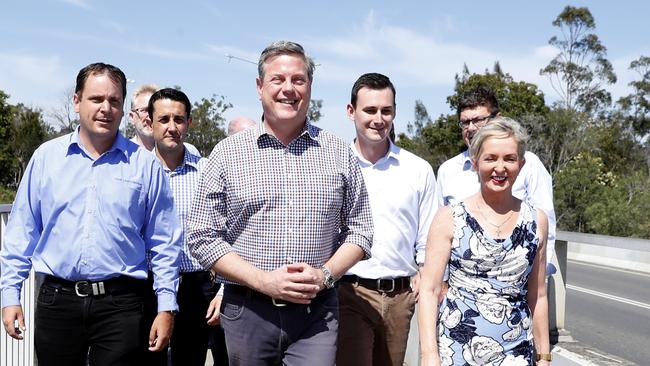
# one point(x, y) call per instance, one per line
point(120, 143)
point(392, 153)
point(189, 160)
point(308, 129)
point(467, 161)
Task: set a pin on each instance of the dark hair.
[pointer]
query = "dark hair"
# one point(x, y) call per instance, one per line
point(480, 96)
point(279, 48)
point(114, 73)
point(172, 94)
point(373, 81)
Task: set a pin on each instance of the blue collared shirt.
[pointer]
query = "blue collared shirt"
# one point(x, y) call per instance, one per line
point(75, 217)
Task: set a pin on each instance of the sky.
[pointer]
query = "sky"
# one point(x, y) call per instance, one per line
point(420, 45)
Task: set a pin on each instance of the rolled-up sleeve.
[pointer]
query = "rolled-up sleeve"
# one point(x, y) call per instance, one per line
point(356, 217)
point(206, 225)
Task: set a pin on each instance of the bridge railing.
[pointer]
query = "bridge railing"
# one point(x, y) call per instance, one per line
point(629, 253)
point(13, 352)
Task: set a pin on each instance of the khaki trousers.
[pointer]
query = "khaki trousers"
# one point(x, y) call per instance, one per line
point(373, 326)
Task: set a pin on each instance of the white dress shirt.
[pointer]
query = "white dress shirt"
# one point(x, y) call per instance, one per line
point(401, 190)
point(457, 181)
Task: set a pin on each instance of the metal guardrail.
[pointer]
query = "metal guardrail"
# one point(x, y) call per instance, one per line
point(13, 352)
point(641, 245)
point(21, 353)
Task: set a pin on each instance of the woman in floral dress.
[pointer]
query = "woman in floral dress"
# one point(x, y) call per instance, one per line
point(493, 245)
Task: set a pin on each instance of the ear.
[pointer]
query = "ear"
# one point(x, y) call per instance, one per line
point(259, 83)
point(131, 117)
point(350, 109)
point(475, 165)
point(189, 122)
point(522, 162)
point(76, 101)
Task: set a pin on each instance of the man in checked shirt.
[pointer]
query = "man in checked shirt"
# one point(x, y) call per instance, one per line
point(169, 119)
point(281, 212)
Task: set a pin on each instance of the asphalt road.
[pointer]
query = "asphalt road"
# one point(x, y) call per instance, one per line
point(609, 309)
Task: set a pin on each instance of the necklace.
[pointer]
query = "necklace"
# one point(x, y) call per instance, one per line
point(498, 227)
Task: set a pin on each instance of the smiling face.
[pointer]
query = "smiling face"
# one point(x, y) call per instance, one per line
point(498, 163)
point(373, 115)
point(170, 124)
point(100, 108)
point(285, 90)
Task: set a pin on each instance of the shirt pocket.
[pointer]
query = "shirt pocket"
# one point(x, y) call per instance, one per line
point(123, 204)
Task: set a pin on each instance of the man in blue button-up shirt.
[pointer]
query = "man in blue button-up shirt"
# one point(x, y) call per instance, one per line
point(89, 207)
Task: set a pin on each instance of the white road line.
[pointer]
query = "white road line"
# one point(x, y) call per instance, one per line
point(608, 268)
point(608, 296)
point(603, 356)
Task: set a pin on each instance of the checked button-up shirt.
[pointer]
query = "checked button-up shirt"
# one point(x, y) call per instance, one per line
point(274, 204)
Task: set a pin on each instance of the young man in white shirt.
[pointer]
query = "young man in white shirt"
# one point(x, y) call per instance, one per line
point(377, 296)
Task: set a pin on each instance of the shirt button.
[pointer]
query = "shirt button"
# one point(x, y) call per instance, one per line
point(289, 176)
point(290, 231)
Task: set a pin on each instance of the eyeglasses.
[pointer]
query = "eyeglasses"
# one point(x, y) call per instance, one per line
point(478, 122)
point(144, 110)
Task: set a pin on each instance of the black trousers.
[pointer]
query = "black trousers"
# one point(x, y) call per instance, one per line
point(106, 329)
point(192, 334)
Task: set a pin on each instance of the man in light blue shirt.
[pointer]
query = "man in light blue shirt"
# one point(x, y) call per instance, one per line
point(89, 207)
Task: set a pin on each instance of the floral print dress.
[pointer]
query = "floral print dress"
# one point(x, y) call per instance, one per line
point(485, 319)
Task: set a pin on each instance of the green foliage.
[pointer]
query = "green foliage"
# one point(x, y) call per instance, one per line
point(207, 127)
point(30, 131)
point(436, 141)
point(6, 136)
point(583, 181)
point(636, 106)
point(7, 195)
point(580, 69)
point(557, 136)
point(22, 130)
point(314, 114)
point(516, 98)
point(622, 209)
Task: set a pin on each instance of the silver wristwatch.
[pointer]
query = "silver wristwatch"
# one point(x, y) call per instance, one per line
point(329, 280)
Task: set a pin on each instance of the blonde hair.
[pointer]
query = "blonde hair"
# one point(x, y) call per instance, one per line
point(501, 127)
point(143, 89)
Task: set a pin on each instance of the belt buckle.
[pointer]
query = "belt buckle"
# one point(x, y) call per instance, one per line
point(76, 288)
point(278, 303)
point(392, 288)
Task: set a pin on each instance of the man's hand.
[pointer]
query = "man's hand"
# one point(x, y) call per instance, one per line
point(213, 311)
point(297, 283)
point(415, 285)
point(10, 315)
point(161, 331)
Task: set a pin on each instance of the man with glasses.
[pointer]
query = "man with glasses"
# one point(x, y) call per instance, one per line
point(139, 116)
point(457, 180)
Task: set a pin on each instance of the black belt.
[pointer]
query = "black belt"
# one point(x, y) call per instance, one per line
point(382, 284)
point(250, 293)
point(121, 284)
